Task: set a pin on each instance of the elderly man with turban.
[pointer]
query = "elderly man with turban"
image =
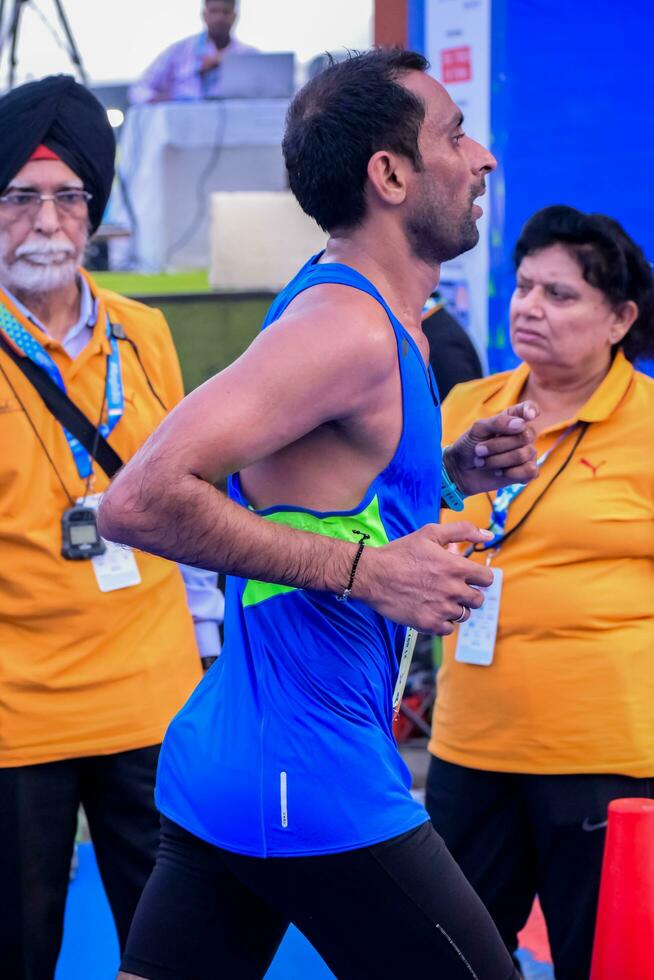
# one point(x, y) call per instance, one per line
point(97, 644)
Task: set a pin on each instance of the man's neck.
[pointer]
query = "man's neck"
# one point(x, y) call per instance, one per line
point(57, 310)
point(384, 257)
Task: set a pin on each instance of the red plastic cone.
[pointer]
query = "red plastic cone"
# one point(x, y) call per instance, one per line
point(624, 933)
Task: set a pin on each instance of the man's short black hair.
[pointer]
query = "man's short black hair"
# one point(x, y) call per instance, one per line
point(608, 258)
point(339, 120)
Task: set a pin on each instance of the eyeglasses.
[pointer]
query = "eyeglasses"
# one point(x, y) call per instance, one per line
point(27, 204)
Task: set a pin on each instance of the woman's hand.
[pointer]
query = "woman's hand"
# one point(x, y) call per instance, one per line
point(495, 452)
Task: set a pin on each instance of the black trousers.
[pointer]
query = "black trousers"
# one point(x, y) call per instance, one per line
point(38, 821)
point(517, 836)
point(401, 908)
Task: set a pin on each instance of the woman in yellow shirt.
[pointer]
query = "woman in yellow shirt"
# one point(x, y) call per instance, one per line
point(535, 732)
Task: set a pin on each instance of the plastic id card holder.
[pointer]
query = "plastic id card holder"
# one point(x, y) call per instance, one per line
point(476, 640)
point(116, 568)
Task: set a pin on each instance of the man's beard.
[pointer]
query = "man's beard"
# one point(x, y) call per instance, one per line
point(39, 266)
point(221, 38)
point(436, 233)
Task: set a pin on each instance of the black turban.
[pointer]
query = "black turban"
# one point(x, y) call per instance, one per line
point(64, 116)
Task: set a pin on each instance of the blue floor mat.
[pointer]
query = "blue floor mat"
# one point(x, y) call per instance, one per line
point(532, 969)
point(90, 947)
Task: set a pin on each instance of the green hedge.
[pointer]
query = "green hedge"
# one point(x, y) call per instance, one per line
point(210, 330)
point(210, 334)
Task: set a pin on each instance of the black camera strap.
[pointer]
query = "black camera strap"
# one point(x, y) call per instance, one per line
point(66, 412)
point(497, 543)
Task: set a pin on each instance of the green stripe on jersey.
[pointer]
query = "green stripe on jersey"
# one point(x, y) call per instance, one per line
point(333, 526)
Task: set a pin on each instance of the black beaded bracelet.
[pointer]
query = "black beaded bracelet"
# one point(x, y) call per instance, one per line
point(347, 592)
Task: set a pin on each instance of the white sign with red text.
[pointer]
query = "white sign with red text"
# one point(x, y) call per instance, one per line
point(457, 43)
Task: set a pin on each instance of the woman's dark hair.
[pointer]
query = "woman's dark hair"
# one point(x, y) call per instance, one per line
point(339, 120)
point(608, 258)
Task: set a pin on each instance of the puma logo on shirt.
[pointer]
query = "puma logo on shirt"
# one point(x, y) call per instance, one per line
point(586, 462)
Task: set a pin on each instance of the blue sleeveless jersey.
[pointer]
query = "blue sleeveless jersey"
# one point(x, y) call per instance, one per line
point(286, 747)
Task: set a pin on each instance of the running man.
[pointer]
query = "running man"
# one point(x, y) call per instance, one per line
point(283, 796)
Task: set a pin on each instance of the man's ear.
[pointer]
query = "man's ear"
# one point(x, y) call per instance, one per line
point(387, 175)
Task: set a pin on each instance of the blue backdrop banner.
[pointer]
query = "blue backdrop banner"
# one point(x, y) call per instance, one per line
point(572, 117)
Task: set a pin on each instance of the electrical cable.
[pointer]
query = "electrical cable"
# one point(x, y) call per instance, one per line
point(205, 174)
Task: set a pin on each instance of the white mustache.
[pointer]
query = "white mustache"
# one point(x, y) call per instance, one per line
point(43, 253)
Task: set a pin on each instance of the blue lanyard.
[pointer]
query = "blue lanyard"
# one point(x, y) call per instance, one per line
point(505, 497)
point(114, 397)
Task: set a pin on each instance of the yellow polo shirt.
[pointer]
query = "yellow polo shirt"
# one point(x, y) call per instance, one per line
point(571, 686)
point(84, 672)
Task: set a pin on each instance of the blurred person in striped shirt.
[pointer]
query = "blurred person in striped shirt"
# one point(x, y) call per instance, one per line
point(190, 68)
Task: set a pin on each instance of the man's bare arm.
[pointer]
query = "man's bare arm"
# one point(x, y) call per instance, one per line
point(296, 376)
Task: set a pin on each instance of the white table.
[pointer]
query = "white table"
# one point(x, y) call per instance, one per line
point(173, 156)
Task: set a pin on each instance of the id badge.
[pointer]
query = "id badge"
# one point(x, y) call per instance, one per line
point(116, 568)
point(476, 640)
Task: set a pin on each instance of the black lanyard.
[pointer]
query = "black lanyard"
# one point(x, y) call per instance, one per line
point(583, 429)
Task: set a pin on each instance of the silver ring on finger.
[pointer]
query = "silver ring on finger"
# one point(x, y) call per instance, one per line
point(464, 615)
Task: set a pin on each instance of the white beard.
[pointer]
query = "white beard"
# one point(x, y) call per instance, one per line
point(39, 267)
